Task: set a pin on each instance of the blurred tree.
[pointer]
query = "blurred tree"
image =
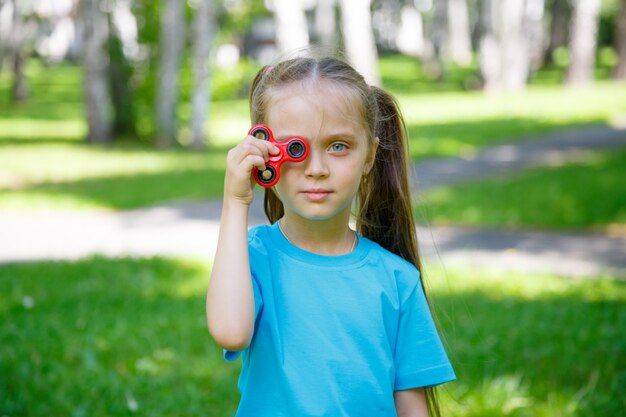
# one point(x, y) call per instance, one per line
point(292, 31)
point(20, 18)
point(326, 23)
point(620, 43)
point(460, 48)
point(583, 41)
point(205, 27)
point(172, 38)
point(504, 49)
point(95, 63)
point(360, 46)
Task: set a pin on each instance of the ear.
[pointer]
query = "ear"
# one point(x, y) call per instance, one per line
point(372, 156)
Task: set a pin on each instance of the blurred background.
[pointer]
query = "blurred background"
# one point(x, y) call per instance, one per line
point(115, 120)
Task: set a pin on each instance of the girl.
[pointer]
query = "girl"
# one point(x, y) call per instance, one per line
point(329, 321)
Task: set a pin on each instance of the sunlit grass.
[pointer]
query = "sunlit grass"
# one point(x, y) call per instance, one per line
point(128, 336)
point(84, 177)
point(589, 193)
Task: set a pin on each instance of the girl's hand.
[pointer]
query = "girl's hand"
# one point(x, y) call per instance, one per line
point(248, 154)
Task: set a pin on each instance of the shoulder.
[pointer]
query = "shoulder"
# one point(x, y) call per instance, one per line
point(405, 274)
point(390, 259)
point(258, 238)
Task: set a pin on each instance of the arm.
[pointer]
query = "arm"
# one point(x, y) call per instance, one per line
point(230, 297)
point(411, 403)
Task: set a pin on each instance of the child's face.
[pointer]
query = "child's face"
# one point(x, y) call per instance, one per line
point(324, 185)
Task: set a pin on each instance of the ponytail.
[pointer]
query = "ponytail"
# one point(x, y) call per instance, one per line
point(385, 214)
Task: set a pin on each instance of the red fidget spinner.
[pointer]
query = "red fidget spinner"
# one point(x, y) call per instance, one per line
point(292, 150)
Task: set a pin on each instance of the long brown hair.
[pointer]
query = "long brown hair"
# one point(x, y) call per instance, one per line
point(384, 213)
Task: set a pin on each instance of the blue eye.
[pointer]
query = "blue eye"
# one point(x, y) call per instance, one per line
point(338, 147)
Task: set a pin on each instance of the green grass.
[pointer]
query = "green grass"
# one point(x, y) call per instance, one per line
point(585, 194)
point(119, 337)
point(79, 176)
point(44, 163)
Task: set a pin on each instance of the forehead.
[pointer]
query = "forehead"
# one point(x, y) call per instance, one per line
point(310, 109)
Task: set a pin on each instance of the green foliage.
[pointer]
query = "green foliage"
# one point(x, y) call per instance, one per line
point(589, 193)
point(119, 337)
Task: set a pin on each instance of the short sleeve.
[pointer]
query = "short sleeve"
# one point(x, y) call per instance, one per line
point(420, 358)
point(230, 355)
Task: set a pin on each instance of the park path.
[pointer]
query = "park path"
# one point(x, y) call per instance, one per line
point(190, 229)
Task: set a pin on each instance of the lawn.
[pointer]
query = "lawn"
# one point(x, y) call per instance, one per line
point(119, 337)
point(585, 194)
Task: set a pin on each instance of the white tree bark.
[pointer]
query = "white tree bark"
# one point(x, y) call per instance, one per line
point(460, 47)
point(326, 23)
point(204, 32)
point(410, 39)
point(582, 44)
point(356, 22)
point(504, 45)
point(292, 31)
point(172, 39)
point(96, 91)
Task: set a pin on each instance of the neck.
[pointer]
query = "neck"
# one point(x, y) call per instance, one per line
point(323, 237)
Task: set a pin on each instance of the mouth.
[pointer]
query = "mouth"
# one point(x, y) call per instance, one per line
point(316, 194)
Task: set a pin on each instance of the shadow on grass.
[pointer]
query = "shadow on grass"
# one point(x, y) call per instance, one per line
point(128, 336)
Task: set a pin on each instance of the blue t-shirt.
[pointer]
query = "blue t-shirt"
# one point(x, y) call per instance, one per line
point(334, 335)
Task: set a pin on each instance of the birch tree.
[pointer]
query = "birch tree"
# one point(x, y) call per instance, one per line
point(460, 48)
point(356, 23)
point(291, 25)
point(504, 50)
point(204, 32)
point(583, 41)
point(326, 22)
point(172, 37)
point(95, 61)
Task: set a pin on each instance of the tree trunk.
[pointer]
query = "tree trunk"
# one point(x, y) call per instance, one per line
point(292, 31)
point(356, 22)
point(204, 31)
point(5, 30)
point(583, 42)
point(533, 17)
point(172, 39)
point(410, 39)
point(326, 24)
point(19, 88)
point(620, 43)
point(97, 99)
point(504, 49)
point(460, 47)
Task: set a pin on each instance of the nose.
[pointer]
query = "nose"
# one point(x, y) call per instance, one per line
point(315, 165)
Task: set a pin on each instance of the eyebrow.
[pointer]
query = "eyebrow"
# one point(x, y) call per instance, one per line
point(331, 137)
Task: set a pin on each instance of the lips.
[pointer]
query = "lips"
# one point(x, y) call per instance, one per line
point(316, 194)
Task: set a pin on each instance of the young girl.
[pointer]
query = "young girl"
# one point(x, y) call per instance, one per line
point(329, 321)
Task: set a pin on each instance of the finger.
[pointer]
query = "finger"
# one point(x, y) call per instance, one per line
point(255, 161)
point(241, 151)
point(268, 146)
